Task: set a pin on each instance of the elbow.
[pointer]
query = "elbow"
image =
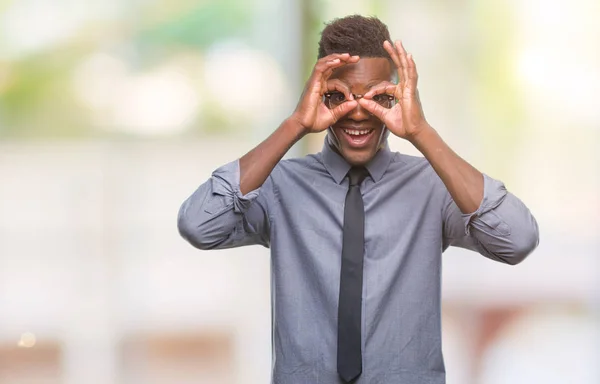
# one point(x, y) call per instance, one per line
point(193, 232)
point(523, 245)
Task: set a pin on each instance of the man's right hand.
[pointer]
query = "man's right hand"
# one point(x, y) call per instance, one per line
point(311, 113)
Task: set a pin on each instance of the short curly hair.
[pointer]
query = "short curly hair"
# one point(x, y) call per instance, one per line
point(356, 35)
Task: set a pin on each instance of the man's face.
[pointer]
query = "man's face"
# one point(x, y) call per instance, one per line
point(359, 149)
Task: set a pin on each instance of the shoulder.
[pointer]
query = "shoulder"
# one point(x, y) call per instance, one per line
point(306, 163)
point(410, 164)
point(298, 167)
point(414, 169)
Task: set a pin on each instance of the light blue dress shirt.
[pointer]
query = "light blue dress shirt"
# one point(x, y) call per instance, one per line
point(410, 220)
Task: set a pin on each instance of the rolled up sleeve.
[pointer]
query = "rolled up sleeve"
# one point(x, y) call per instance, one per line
point(217, 215)
point(502, 228)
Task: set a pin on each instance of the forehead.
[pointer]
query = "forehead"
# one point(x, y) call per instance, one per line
point(366, 72)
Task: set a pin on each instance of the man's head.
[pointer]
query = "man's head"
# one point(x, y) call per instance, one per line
point(358, 135)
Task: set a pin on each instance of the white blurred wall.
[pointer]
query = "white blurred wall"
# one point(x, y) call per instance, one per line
point(91, 260)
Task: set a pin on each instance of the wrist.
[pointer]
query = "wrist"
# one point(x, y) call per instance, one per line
point(293, 125)
point(422, 135)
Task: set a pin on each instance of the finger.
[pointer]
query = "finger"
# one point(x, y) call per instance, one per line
point(334, 56)
point(321, 73)
point(342, 57)
point(340, 86)
point(323, 65)
point(374, 108)
point(353, 59)
point(392, 52)
point(324, 69)
point(342, 110)
point(395, 58)
point(413, 76)
point(385, 87)
point(403, 59)
point(330, 68)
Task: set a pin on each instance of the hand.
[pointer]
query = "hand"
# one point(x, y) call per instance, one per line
point(405, 119)
point(311, 113)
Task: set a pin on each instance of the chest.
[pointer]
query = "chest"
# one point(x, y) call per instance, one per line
point(395, 207)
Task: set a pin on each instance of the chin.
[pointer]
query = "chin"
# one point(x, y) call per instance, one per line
point(355, 148)
point(357, 158)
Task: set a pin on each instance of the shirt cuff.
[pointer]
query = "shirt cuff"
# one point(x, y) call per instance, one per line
point(226, 182)
point(494, 193)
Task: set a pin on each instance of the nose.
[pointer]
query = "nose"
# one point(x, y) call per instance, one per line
point(358, 113)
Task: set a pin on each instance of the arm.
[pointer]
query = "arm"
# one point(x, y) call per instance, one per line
point(231, 209)
point(479, 213)
point(218, 215)
point(463, 181)
point(501, 228)
point(311, 115)
point(257, 165)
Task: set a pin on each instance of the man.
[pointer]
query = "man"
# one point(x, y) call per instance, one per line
point(356, 231)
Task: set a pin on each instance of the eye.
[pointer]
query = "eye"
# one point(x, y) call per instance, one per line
point(383, 98)
point(336, 97)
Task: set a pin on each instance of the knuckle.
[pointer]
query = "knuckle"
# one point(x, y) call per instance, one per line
point(330, 57)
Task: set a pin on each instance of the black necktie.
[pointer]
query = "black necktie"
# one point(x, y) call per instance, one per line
point(349, 357)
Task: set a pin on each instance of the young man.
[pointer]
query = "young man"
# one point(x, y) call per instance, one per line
point(356, 231)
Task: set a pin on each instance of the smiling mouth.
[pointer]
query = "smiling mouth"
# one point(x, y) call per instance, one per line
point(357, 138)
point(357, 132)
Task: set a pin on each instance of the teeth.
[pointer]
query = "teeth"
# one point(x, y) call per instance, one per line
point(354, 132)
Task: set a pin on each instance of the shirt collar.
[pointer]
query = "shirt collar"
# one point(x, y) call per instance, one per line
point(338, 167)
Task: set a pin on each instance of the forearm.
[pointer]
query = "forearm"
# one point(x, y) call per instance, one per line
point(463, 181)
point(256, 165)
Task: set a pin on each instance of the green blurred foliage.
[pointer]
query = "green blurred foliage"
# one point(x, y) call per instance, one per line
point(198, 26)
point(37, 100)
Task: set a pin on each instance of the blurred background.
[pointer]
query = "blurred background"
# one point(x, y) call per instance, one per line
point(112, 112)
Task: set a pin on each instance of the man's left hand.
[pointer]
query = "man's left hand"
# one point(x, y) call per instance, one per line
point(405, 119)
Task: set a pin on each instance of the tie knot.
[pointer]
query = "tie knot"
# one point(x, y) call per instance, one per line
point(356, 175)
